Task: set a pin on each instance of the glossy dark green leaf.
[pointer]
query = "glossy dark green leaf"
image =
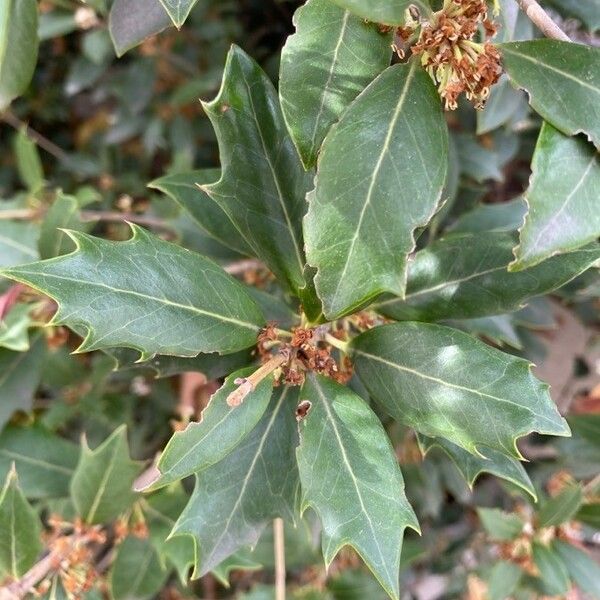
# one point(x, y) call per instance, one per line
point(478, 162)
point(562, 198)
point(221, 428)
point(471, 466)
point(500, 525)
point(20, 374)
point(137, 573)
point(132, 21)
point(505, 216)
point(146, 294)
point(503, 103)
point(589, 514)
point(553, 573)
point(184, 189)
point(587, 12)
point(320, 74)
point(561, 508)
point(263, 185)
point(375, 185)
point(499, 329)
point(562, 80)
point(235, 499)
point(466, 276)
point(102, 485)
point(178, 10)
point(64, 213)
point(21, 529)
point(45, 462)
point(444, 383)
point(18, 47)
point(582, 568)
point(360, 506)
point(388, 12)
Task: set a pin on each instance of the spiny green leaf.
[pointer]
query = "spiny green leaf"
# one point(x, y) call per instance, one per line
point(220, 429)
point(561, 508)
point(63, 214)
point(472, 466)
point(444, 383)
point(388, 12)
point(137, 573)
point(235, 499)
point(320, 74)
point(18, 47)
point(145, 294)
point(20, 374)
point(263, 185)
point(562, 198)
point(359, 505)
point(21, 530)
point(500, 525)
point(381, 173)
point(554, 72)
point(45, 461)
point(582, 568)
point(553, 573)
point(184, 188)
point(101, 488)
point(466, 276)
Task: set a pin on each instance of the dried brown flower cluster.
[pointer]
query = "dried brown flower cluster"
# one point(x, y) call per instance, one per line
point(453, 60)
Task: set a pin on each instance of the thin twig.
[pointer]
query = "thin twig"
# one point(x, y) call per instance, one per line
point(11, 119)
point(241, 266)
point(279, 549)
point(19, 589)
point(21, 214)
point(117, 217)
point(542, 20)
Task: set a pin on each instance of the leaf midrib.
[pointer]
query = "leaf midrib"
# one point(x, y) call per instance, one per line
point(36, 461)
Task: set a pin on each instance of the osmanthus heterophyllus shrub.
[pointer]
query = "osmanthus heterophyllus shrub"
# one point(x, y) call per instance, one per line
point(330, 182)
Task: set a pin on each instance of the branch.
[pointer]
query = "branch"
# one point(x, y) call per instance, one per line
point(279, 548)
point(542, 20)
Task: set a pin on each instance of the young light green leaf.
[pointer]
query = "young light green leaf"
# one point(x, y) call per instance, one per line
point(20, 374)
point(263, 185)
point(18, 47)
point(45, 461)
point(387, 12)
point(375, 185)
point(221, 428)
point(235, 499)
point(582, 568)
point(446, 384)
point(561, 508)
point(553, 573)
point(320, 75)
point(340, 441)
point(178, 10)
point(18, 243)
point(137, 573)
point(551, 71)
point(21, 529)
point(14, 328)
point(63, 214)
point(131, 22)
point(562, 197)
point(29, 164)
point(500, 525)
point(101, 487)
point(466, 276)
point(184, 189)
point(471, 466)
point(145, 294)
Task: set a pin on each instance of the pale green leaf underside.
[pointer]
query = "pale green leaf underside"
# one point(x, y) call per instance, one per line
point(184, 189)
point(472, 466)
point(178, 10)
point(350, 476)
point(220, 429)
point(563, 198)
point(380, 176)
point(320, 74)
point(388, 12)
point(464, 276)
point(21, 530)
point(263, 184)
point(101, 487)
point(562, 80)
point(446, 384)
point(146, 294)
point(14, 328)
point(235, 499)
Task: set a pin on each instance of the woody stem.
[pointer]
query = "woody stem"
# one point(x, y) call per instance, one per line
point(542, 20)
